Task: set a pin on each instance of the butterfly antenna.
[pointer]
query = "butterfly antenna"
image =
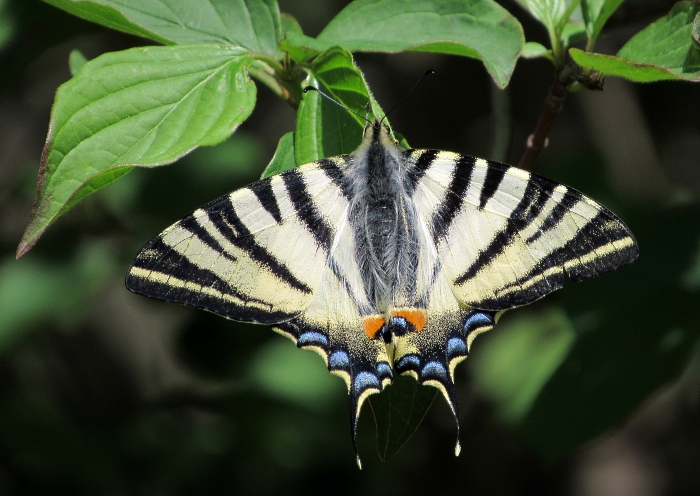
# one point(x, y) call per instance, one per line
point(429, 72)
point(313, 88)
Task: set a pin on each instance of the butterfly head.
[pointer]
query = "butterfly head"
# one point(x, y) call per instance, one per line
point(378, 133)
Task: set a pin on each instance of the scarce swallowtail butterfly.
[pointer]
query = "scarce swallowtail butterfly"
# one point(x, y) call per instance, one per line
point(385, 261)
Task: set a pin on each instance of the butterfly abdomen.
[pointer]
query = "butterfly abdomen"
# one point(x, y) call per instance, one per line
point(384, 220)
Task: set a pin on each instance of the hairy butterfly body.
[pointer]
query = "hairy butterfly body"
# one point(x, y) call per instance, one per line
point(385, 261)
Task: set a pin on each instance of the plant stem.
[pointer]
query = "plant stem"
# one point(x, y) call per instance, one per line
point(502, 126)
point(280, 77)
point(537, 140)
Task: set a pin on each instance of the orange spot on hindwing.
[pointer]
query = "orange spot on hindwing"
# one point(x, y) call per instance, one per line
point(417, 317)
point(372, 324)
point(402, 321)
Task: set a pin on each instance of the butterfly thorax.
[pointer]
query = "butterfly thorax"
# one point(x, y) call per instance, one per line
point(384, 220)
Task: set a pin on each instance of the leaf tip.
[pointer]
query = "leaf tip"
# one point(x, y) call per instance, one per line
point(25, 245)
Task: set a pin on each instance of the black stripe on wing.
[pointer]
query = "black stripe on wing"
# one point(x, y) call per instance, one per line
point(335, 173)
point(306, 209)
point(240, 236)
point(604, 229)
point(537, 192)
point(494, 176)
point(571, 198)
point(190, 224)
point(601, 231)
point(266, 196)
point(422, 164)
point(159, 258)
point(454, 197)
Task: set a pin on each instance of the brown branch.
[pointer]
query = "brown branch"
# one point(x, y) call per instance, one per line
point(538, 140)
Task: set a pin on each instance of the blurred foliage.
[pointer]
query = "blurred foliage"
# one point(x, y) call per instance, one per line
point(106, 393)
point(533, 345)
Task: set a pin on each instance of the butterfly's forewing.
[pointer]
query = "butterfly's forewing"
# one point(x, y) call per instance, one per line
point(505, 236)
point(255, 255)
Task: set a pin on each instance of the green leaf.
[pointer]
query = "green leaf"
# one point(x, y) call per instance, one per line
point(532, 50)
point(611, 65)
point(596, 13)
point(290, 24)
point(668, 42)
point(140, 107)
point(283, 159)
point(573, 32)
point(480, 29)
point(535, 346)
point(325, 129)
point(664, 50)
point(548, 12)
point(290, 27)
point(398, 411)
point(251, 24)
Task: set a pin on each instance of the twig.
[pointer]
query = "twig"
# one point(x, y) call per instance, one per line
point(538, 140)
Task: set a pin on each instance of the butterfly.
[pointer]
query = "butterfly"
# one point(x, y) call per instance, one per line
point(385, 261)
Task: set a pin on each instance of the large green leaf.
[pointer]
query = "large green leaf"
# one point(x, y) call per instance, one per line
point(480, 29)
point(251, 24)
point(324, 128)
point(145, 107)
point(664, 50)
point(283, 159)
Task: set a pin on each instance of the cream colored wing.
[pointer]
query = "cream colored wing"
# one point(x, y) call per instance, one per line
point(254, 255)
point(505, 236)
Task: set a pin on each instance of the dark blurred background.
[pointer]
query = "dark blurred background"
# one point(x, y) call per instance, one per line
point(593, 390)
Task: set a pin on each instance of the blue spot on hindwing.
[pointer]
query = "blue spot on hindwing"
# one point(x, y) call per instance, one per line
point(477, 320)
point(312, 338)
point(456, 347)
point(408, 362)
point(384, 370)
point(363, 381)
point(339, 360)
point(434, 369)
